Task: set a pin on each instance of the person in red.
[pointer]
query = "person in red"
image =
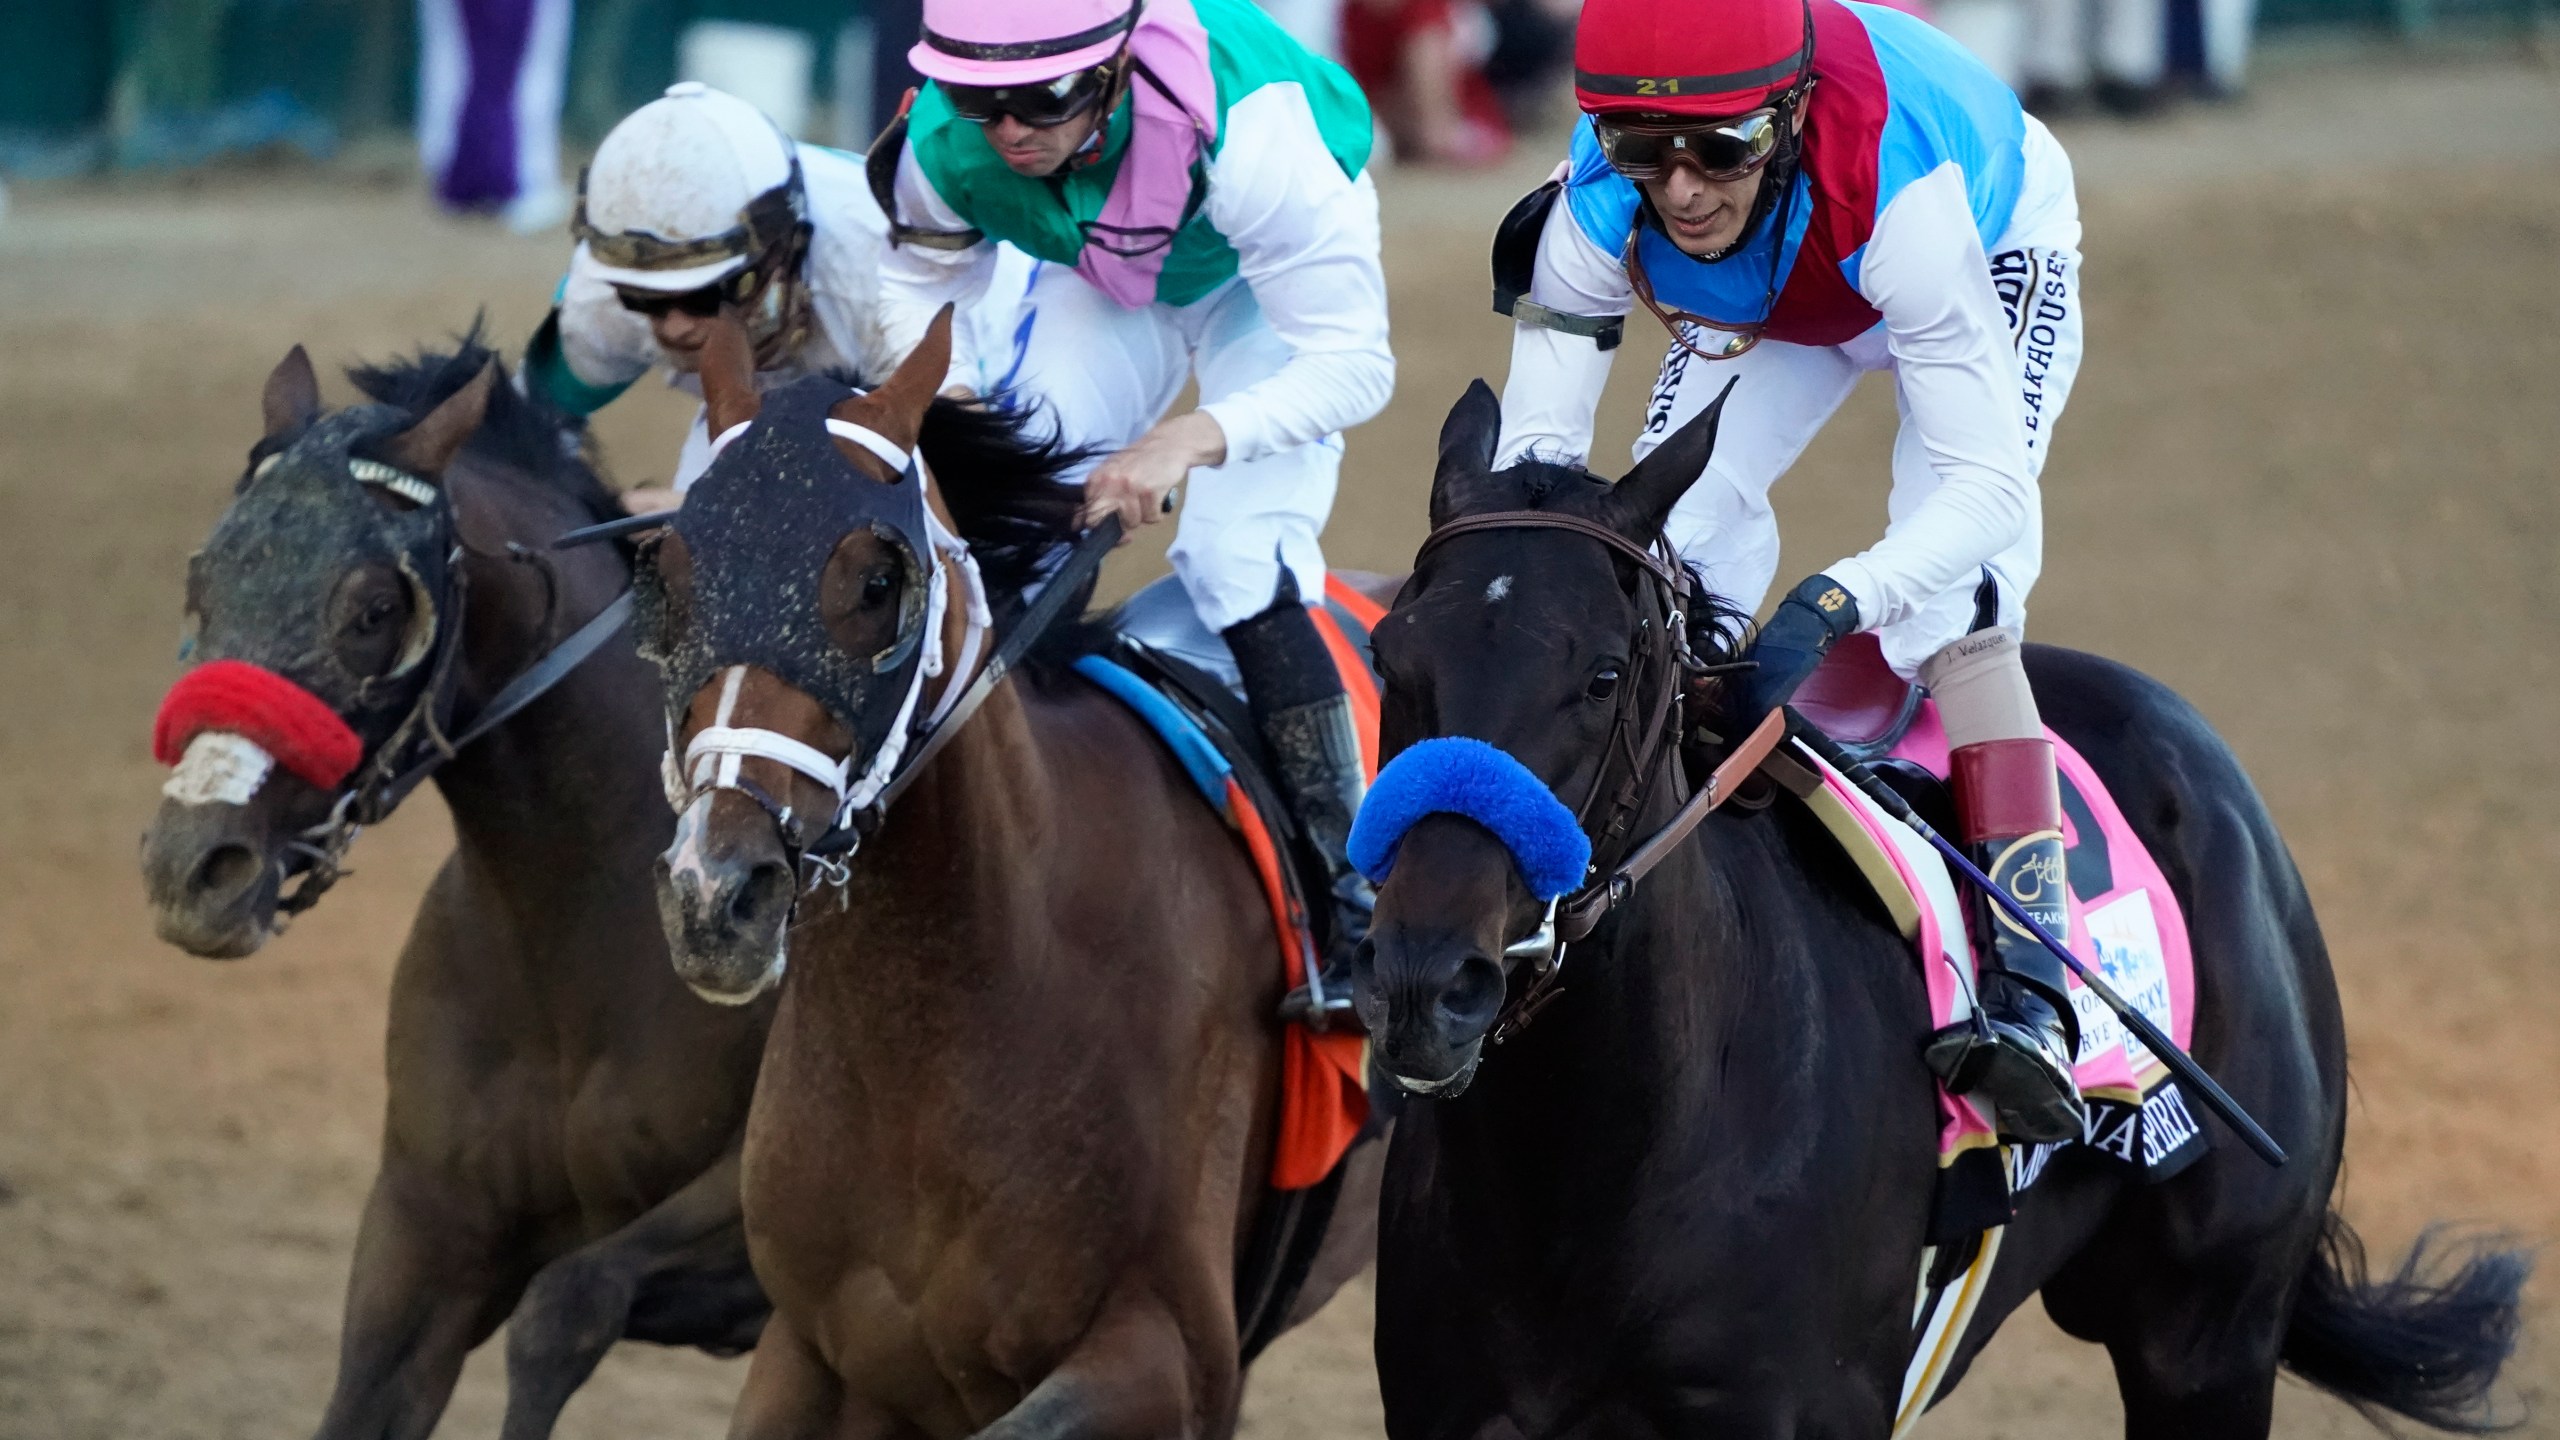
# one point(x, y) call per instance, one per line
point(1437, 106)
point(1804, 191)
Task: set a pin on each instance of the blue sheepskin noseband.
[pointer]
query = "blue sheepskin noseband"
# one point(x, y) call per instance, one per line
point(1455, 775)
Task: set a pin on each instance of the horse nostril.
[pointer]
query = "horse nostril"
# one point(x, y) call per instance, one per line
point(766, 890)
point(225, 870)
point(1473, 994)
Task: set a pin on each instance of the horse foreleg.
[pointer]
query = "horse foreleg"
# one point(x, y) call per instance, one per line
point(1130, 1378)
point(791, 1394)
point(427, 1286)
point(677, 1275)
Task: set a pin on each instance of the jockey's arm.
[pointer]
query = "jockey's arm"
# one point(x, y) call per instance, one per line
point(589, 349)
point(1306, 242)
point(918, 280)
point(1553, 390)
point(1925, 272)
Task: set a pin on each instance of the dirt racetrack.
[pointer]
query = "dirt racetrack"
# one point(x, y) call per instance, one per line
point(2310, 477)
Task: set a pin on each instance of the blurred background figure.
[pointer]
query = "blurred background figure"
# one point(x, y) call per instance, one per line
point(2111, 53)
point(1422, 63)
point(491, 77)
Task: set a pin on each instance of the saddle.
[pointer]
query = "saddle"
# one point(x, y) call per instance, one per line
point(1177, 675)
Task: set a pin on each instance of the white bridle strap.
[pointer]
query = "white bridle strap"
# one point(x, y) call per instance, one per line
point(714, 743)
point(897, 457)
point(892, 454)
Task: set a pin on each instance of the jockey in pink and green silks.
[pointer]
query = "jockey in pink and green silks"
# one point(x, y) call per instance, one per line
point(1191, 183)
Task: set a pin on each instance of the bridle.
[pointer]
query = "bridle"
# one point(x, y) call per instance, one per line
point(1641, 749)
point(713, 758)
point(424, 740)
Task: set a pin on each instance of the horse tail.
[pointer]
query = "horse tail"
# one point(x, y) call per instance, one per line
point(2413, 1343)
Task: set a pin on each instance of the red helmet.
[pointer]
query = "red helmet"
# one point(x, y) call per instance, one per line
point(1689, 57)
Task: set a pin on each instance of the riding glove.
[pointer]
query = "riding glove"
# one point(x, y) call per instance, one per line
point(1808, 622)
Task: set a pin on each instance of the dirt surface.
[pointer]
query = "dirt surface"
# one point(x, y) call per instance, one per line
point(2307, 478)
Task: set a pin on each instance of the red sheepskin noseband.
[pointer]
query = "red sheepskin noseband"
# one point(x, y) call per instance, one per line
point(292, 724)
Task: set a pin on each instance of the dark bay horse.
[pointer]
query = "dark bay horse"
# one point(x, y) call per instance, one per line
point(1017, 1110)
point(1690, 1199)
point(561, 1148)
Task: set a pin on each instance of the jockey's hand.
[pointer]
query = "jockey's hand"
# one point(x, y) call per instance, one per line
point(1138, 483)
point(650, 499)
point(1808, 622)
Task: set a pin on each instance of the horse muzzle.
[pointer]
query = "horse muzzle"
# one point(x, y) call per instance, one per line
point(213, 877)
point(726, 909)
point(1428, 1002)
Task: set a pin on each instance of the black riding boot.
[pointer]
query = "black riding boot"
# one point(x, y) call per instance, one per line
point(2021, 1060)
point(1298, 702)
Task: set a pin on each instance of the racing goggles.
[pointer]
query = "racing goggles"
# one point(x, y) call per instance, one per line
point(1040, 105)
point(1646, 147)
point(734, 289)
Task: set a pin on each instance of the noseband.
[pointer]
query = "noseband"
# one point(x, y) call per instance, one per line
point(1643, 735)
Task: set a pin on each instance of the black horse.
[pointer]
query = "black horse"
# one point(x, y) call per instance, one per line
point(560, 1149)
point(1691, 1198)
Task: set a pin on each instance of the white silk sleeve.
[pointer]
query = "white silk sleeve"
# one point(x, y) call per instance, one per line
point(1553, 390)
point(1306, 242)
point(918, 280)
point(1925, 272)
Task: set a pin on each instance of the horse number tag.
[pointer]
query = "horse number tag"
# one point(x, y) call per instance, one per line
point(219, 768)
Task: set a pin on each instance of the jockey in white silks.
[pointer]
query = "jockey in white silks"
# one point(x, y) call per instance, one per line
point(697, 202)
point(1192, 183)
point(1804, 191)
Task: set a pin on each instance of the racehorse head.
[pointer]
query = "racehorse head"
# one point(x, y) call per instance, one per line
point(1523, 664)
point(809, 607)
point(315, 612)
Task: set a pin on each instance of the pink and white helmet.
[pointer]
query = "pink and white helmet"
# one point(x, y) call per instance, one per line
point(1019, 42)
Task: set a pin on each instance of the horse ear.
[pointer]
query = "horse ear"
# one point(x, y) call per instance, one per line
point(912, 386)
point(1641, 501)
point(896, 409)
point(430, 445)
point(728, 375)
point(292, 399)
point(1467, 441)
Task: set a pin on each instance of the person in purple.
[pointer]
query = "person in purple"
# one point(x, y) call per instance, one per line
point(491, 74)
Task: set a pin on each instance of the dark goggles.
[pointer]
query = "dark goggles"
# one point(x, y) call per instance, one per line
point(734, 289)
point(1050, 102)
point(1645, 147)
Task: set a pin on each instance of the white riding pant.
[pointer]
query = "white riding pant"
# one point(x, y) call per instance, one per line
point(1107, 374)
point(1783, 394)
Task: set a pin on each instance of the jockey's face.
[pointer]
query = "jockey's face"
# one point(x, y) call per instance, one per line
point(1703, 216)
point(1037, 150)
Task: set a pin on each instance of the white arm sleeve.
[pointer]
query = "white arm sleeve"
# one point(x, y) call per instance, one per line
point(1306, 242)
point(917, 280)
point(604, 344)
point(1554, 387)
point(1925, 273)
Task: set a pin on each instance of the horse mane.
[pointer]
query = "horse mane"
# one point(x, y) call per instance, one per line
point(1001, 472)
point(519, 433)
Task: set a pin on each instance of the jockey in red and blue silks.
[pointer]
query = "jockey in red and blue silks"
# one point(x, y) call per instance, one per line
point(1804, 191)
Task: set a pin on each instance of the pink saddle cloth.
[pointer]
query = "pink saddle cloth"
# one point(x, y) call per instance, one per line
point(2126, 924)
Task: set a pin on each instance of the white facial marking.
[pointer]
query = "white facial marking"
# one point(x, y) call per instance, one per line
point(219, 768)
point(686, 859)
point(1500, 587)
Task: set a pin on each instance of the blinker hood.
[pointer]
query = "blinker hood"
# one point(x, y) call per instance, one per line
point(759, 527)
point(262, 586)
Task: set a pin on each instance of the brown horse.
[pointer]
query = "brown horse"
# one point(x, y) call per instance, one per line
point(1017, 1112)
point(561, 1147)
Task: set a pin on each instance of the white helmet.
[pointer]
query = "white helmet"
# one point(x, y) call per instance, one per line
point(688, 190)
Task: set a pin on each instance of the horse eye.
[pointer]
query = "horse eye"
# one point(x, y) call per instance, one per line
point(877, 589)
point(1603, 685)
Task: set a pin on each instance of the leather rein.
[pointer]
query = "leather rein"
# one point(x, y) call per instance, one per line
point(1643, 735)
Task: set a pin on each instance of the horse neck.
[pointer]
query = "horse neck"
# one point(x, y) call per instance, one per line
point(562, 776)
point(1696, 1011)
